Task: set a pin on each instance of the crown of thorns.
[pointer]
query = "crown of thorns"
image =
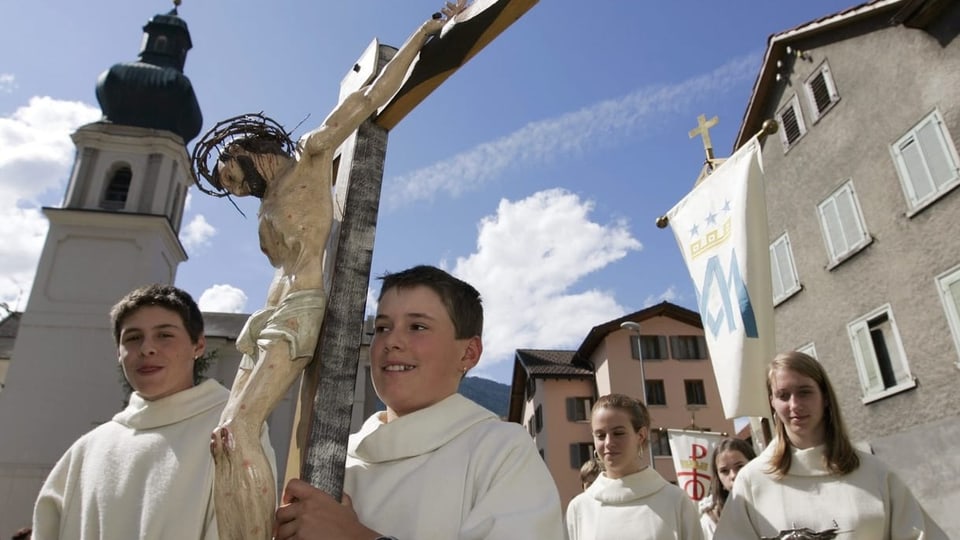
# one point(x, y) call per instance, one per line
point(212, 146)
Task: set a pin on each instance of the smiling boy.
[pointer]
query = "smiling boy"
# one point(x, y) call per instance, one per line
point(147, 473)
point(434, 465)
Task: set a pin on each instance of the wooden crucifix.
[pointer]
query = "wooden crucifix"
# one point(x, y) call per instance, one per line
point(329, 382)
point(307, 315)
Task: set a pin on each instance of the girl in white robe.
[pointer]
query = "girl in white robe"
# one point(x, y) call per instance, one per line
point(729, 457)
point(810, 480)
point(629, 500)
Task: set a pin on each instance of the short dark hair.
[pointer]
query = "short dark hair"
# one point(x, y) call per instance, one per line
point(460, 298)
point(165, 296)
point(260, 144)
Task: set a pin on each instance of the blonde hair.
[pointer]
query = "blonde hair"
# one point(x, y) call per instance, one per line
point(840, 456)
point(638, 413)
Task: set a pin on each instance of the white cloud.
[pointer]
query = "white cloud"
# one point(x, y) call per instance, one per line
point(197, 233)
point(669, 295)
point(372, 302)
point(597, 125)
point(35, 161)
point(8, 83)
point(530, 256)
point(223, 298)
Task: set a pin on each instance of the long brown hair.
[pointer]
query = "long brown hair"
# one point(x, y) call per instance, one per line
point(718, 492)
point(840, 456)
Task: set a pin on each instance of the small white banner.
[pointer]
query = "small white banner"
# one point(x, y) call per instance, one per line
point(691, 458)
point(721, 228)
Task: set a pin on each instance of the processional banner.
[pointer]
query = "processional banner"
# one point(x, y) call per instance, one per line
point(691, 458)
point(721, 228)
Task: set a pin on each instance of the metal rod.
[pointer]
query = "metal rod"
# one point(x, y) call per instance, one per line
point(634, 327)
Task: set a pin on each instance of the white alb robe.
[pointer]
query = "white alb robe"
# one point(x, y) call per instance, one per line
point(639, 506)
point(453, 470)
point(145, 474)
point(869, 503)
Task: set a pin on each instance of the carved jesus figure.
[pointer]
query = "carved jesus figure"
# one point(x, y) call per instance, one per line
point(254, 156)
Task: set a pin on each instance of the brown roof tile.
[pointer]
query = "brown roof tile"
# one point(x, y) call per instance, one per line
point(551, 363)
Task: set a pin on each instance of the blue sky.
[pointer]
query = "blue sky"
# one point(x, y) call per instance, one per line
point(535, 172)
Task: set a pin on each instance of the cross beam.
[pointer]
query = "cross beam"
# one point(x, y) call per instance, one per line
point(703, 129)
point(476, 27)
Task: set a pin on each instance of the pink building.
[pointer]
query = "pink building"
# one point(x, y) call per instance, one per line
point(552, 391)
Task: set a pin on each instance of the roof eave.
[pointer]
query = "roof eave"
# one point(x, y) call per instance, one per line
point(776, 50)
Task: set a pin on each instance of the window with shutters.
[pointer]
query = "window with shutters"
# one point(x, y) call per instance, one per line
point(790, 118)
point(660, 442)
point(117, 189)
point(927, 162)
point(578, 409)
point(696, 394)
point(538, 419)
point(821, 91)
point(782, 270)
point(841, 222)
point(656, 394)
point(648, 347)
point(948, 285)
point(688, 347)
point(879, 354)
point(580, 453)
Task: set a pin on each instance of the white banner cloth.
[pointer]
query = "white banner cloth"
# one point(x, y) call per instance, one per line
point(721, 228)
point(691, 458)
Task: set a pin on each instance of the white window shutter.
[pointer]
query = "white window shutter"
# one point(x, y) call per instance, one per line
point(781, 268)
point(954, 294)
point(849, 217)
point(935, 154)
point(900, 369)
point(870, 379)
point(919, 183)
point(776, 272)
point(836, 244)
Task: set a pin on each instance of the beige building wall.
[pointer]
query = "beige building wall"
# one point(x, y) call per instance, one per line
point(547, 379)
point(559, 433)
point(625, 378)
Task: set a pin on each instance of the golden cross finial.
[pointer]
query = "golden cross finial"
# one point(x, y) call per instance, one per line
point(176, 3)
point(703, 129)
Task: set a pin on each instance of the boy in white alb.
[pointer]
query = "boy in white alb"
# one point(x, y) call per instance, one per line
point(434, 465)
point(147, 473)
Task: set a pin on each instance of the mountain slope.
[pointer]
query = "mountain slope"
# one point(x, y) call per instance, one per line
point(490, 394)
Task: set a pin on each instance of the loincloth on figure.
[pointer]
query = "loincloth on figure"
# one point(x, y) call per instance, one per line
point(296, 320)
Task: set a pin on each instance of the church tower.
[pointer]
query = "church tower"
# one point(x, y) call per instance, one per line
point(117, 229)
